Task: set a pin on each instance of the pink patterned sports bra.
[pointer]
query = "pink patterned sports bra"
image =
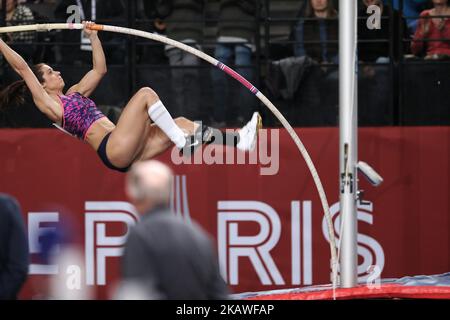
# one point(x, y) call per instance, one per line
point(79, 113)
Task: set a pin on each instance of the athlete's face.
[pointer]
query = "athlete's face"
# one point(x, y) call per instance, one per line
point(52, 78)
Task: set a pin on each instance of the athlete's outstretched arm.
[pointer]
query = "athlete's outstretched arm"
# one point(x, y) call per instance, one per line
point(91, 80)
point(43, 101)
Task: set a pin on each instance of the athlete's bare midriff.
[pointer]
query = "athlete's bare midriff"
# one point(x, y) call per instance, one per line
point(98, 131)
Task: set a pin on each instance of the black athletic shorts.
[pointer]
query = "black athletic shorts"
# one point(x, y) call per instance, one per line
point(101, 151)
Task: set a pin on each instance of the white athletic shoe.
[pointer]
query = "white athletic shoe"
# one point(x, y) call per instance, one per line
point(249, 133)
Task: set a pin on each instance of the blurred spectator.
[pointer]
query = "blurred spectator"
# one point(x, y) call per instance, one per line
point(411, 10)
point(235, 43)
point(43, 12)
point(152, 52)
point(16, 15)
point(14, 258)
point(317, 38)
point(164, 257)
point(68, 284)
point(184, 20)
point(153, 69)
point(21, 42)
point(374, 43)
point(375, 53)
point(102, 11)
point(58, 249)
point(431, 26)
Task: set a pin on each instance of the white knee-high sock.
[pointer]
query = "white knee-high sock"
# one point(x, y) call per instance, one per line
point(162, 118)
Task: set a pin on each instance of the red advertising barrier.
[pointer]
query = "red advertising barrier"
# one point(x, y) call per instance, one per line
point(265, 215)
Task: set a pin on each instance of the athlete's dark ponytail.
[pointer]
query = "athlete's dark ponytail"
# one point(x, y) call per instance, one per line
point(14, 94)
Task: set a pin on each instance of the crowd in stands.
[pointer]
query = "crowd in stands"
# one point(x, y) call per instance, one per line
point(409, 29)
